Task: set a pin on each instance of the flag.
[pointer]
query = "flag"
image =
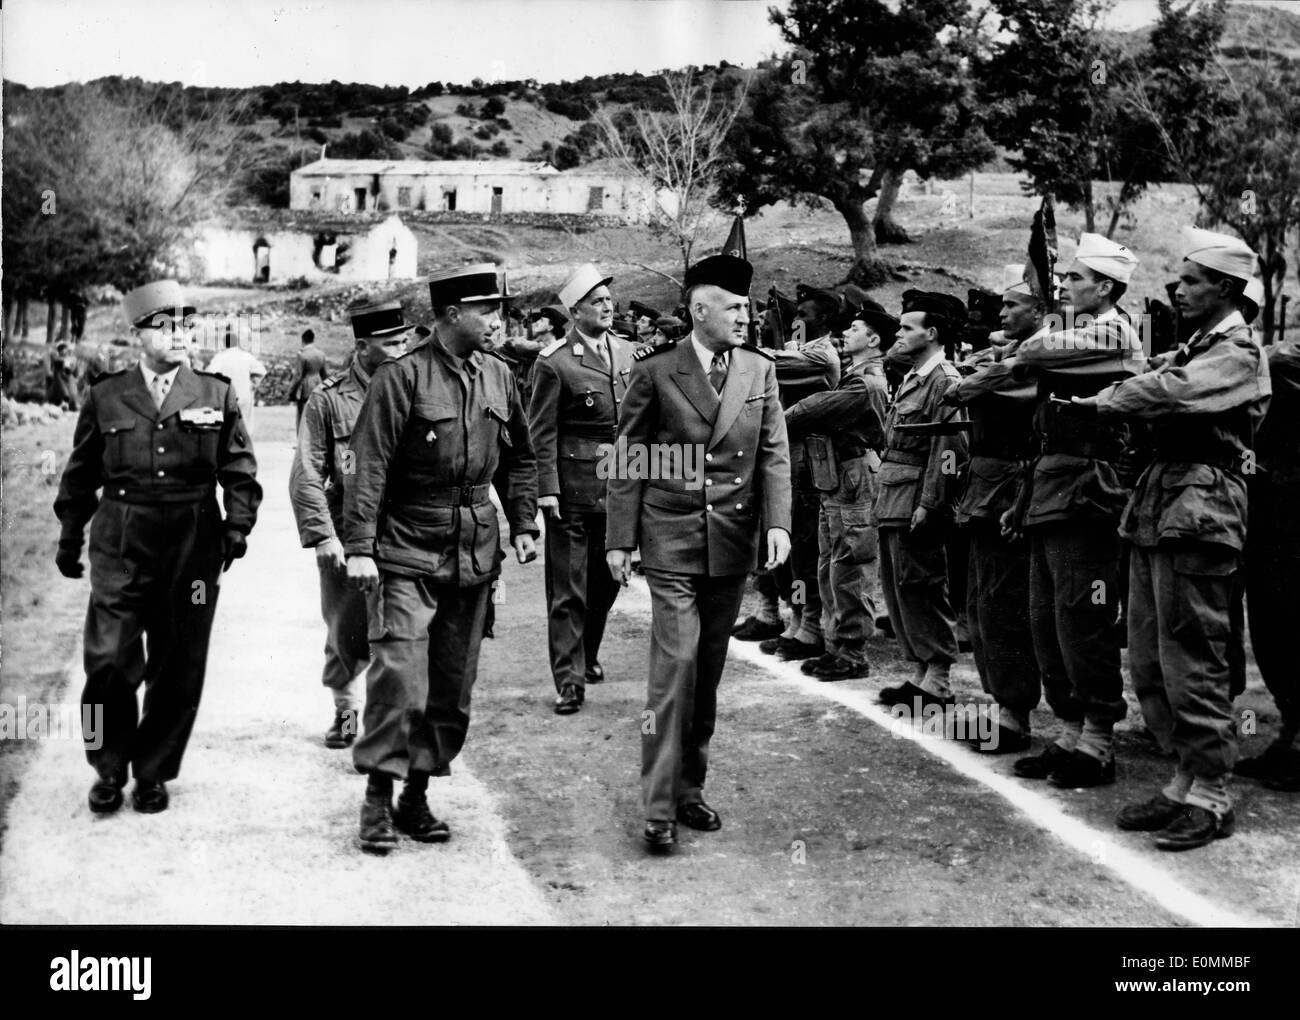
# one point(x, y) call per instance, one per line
point(1040, 271)
point(735, 245)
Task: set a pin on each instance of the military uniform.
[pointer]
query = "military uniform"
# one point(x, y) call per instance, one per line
point(1070, 506)
point(997, 607)
point(322, 469)
point(578, 386)
point(312, 367)
point(434, 435)
point(850, 422)
point(1273, 564)
point(920, 471)
point(155, 553)
point(697, 541)
point(813, 367)
point(1186, 521)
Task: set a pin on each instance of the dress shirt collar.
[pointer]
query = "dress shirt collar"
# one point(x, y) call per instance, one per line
point(706, 356)
point(149, 374)
point(928, 366)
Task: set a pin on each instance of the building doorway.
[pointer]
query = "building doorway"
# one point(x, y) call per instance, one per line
point(449, 200)
point(361, 198)
point(496, 201)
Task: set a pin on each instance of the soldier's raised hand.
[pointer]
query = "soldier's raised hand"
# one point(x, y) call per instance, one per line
point(525, 548)
point(68, 560)
point(362, 573)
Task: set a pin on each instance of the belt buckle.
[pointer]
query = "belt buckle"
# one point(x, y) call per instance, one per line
point(466, 496)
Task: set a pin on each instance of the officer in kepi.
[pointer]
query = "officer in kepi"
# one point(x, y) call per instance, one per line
point(157, 438)
point(322, 469)
point(440, 427)
point(578, 383)
point(712, 399)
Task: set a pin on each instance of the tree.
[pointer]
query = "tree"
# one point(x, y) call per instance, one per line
point(1235, 143)
point(1051, 91)
point(494, 106)
point(679, 152)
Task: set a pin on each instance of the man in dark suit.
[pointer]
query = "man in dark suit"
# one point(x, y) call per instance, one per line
point(157, 438)
point(702, 466)
point(311, 373)
point(578, 383)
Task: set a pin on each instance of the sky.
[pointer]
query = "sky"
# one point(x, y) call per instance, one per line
point(389, 42)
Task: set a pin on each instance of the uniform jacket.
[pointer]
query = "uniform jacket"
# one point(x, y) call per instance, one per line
point(1204, 402)
point(1277, 446)
point(1075, 477)
point(710, 523)
point(1001, 410)
point(311, 373)
point(324, 464)
point(431, 436)
point(141, 454)
point(852, 415)
point(918, 470)
point(572, 414)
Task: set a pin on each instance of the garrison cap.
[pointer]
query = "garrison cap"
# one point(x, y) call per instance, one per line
point(1104, 256)
point(1221, 252)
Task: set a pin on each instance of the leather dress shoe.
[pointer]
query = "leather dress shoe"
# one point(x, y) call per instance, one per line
point(595, 673)
point(660, 835)
point(1150, 815)
point(1003, 740)
point(570, 699)
point(754, 629)
point(106, 796)
point(1195, 826)
point(808, 665)
point(1039, 766)
point(414, 818)
point(343, 731)
point(699, 816)
point(796, 651)
point(377, 829)
point(149, 796)
point(1079, 771)
point(835, 668)
point(908, 692)
point(771, 646)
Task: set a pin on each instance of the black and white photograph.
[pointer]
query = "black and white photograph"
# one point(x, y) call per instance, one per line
point(653, 464)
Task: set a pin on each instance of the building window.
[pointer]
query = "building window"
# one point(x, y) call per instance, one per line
point(315, 196)
point(595, 199)
point(449, 199)
point(403, 198)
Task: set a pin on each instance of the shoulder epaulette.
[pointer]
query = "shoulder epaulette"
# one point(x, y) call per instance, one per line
point(333, 381)
point(759, 351)
point(950, 370)
point(215, 375)
point(106, 375)
point(552, 347)
point(653, 349)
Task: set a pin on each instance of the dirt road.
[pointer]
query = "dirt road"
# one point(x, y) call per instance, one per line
point(833, 814)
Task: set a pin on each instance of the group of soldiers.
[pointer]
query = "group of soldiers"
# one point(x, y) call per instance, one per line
point(1052, 476)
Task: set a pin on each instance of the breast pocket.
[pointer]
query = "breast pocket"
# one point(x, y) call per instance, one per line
point(199, 442)
point(117, 435)
point(433, 435)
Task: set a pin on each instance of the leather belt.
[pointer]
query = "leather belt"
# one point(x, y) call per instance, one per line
point(122, 494)
point(458, 495)
point(1082, 448)
point(1228, 463)
point(999, 451)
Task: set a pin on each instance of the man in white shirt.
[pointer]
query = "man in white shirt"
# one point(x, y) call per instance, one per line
point(243, 371)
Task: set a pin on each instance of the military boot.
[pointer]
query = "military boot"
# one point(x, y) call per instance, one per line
point(377, 831)
point(414, 818)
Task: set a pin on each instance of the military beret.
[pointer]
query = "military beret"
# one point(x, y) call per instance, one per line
point(953, 309)
point(732, 274)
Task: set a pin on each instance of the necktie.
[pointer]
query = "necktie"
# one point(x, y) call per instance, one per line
point(597, 349)
point(158, 389)
point(718, 372)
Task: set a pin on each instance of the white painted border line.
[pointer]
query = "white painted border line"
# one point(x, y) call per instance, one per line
point(1130, 867)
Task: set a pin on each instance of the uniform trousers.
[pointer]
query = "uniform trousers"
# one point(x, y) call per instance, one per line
point(1074, 584)
point(846, 567)
point(424, 648)
point(343, 609)
point(579, 594)
point(691, 620)
point(914, 581)
point(153, 573)
point(1180, 630)
point(997, 609)
point(805, 597)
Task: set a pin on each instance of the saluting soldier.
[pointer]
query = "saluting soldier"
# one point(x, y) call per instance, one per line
point(157, 439)
point(1186, 521)
point(578, 383)
point(1001, 409)
point(850, 422)
point(713, 399)
point(439, 428)
point(1072, 500)
point(917, 489)
point(322, 470)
